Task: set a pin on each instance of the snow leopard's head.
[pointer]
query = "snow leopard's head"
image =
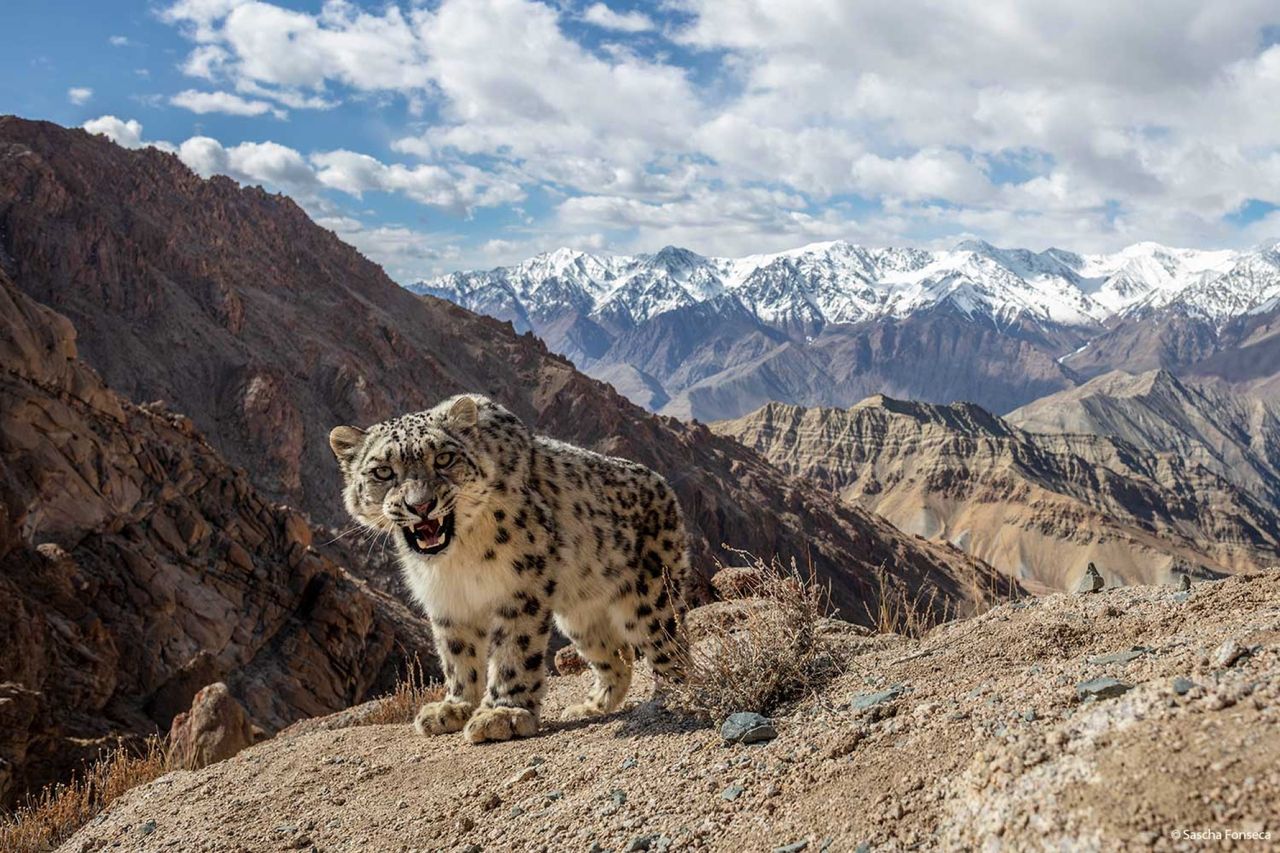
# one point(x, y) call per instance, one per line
point(426, 477)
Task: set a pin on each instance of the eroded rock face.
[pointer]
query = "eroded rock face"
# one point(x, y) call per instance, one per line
point(137, 567)
point(216, 728)
point(1038, 506)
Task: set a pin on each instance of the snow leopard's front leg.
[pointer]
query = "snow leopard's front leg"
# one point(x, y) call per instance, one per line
point(461, 649)
point(517, 670)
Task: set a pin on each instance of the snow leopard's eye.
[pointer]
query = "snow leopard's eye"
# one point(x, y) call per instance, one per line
point(445, 459)
point(384, 473)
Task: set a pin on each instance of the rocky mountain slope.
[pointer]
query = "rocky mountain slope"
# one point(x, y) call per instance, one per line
point(1130, 719)
point(136, 567)
point(827, 324)
point(1235, 436)
point(236, 309)
point(1038, 507)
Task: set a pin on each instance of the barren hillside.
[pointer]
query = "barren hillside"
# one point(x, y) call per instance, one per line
point(1097, 722)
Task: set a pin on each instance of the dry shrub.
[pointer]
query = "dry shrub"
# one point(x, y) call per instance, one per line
point(898, 611)
point(771, 652)
point(401, 705)
point(53, 816)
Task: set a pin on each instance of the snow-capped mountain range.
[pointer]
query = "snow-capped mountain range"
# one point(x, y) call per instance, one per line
point(830, 323)
point(839, 282)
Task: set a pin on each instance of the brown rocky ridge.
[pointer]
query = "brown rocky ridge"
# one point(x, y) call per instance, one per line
point(266, 330)
point(1136, 718)
point(136, 567)
point(1039, 507)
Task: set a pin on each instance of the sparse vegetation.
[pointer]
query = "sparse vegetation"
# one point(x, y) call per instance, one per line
point(411, 692)
point(766, 649)
point(53, 816)
point(898, 611)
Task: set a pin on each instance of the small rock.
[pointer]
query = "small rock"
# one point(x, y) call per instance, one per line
point(1092, 580)
point(747, 727)
point(1102, 688)
point(147, 828)
point(1123, 656)
point(491, 802)
point(473, 848)
point(794, 847)
point(737, 581)
point(516, 811)
point(1184, 583)
point(1029, 715)
point(870, 700)
point(629, 763)
point(643, 842)
point(536, 760)
point(1228, 653)
point(731, 793)
point(1181, 685)
point(554, 795)
point(523, 776)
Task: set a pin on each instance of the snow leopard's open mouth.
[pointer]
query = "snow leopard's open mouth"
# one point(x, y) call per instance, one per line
point(431, 535)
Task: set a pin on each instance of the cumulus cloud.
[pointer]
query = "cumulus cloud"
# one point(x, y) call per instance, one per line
point(1081, 122)
point(625, 22)
point(79, 95)
point(119, 41)
point(223, 102)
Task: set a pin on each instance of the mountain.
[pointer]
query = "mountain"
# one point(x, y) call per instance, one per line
point(1038, 507)
point(266, 330)
point(829, 323)
point(1235, 436)
point(136, 567)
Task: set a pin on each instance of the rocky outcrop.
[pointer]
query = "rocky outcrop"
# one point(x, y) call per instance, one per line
point(1038, 507)
point(232, 306)
point(214, 729)
point(137, 567)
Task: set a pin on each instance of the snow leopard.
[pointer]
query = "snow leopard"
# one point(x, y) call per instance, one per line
point(500, 533)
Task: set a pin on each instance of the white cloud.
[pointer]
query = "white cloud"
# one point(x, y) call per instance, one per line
point(79, 95)
point(119, 41)
point(625, 22)
point(222, 102)
point(1083, 122)
point(126, 134)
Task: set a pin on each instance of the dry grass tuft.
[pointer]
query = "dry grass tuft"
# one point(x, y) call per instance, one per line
point(47, 820)
point(401, 705)
point(771, 652)
point(897, 611)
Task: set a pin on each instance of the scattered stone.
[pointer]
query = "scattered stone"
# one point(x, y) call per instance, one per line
point(1228, 653)
point(523, 776)
point(516, 811)
point(732, 793)
point(1092, 580)
point(554, 795)
point(643, 842)
point(1124, 656)
point(1184, 583)
point(1182, 685)
point(869, 700)
point(794, 847)
point(147, 828)
point(1102, 688)
point(491, 802)
point(473, 848)
point(536, 760)
point(746, 727)
point(629, 763)
point(1029, 715)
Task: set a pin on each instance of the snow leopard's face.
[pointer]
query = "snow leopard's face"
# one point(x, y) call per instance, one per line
point(422, 477)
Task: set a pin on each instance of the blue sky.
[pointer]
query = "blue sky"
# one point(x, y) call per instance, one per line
point(469, 133)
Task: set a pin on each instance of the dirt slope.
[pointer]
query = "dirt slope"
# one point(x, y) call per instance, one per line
point(985, 743)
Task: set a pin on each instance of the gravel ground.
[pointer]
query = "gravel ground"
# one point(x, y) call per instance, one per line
point(1134, 718)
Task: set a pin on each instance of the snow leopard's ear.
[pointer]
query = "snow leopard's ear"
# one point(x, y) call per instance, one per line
point(346, 442)
point(463, 413)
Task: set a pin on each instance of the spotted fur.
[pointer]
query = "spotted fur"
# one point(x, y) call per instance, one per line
point(539, 532)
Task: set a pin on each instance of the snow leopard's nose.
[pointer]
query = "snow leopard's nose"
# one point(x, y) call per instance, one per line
point(424, 509)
